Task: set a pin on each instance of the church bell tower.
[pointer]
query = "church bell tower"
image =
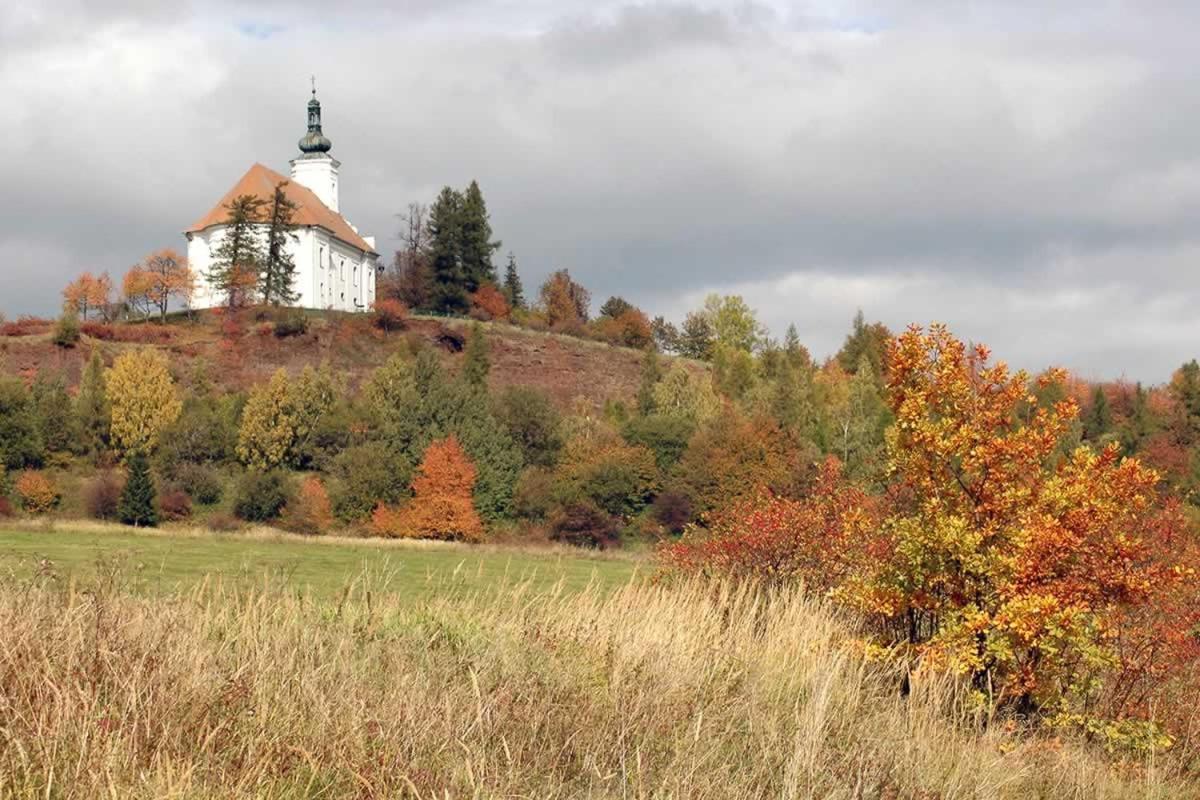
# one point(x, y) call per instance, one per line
point(314, 167)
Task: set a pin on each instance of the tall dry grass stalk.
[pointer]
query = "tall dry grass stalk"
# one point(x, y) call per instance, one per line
point(649, 692)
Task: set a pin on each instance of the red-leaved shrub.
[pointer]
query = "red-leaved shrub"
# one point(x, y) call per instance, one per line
point(174, 504)
point(389, 315)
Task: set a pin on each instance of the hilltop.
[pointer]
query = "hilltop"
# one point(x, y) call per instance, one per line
point(237, 352)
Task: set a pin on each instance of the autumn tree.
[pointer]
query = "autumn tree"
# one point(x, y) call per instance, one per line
point(143, 399)
point(564, 302)
point(442, 506)
point(239, 255)
point(161, 277)
point(136, 291)
point(1001, 563)
point(282, 415)
point(88, 293)
point(278, 277)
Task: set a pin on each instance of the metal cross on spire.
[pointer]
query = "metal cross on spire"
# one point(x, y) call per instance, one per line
point(314, 85)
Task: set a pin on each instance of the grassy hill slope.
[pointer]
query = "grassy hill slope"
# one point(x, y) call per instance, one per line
point(240, 352)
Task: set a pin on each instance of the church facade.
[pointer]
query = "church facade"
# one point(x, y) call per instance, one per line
point(336, 266)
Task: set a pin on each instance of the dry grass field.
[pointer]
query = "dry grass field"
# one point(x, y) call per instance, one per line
point(522, 690)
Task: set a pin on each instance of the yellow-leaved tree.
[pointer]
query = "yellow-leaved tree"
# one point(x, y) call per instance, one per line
point(281, 416)
point(143, 399)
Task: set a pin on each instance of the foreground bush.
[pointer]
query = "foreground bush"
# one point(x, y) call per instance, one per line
point(689, 693)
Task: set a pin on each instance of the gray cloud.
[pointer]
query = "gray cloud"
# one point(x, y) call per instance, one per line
point(1028, 176)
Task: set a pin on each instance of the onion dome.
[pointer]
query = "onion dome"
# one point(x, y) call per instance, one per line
point(314, 142)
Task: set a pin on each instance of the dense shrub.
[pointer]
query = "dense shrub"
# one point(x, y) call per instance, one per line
point(37, 492)
point(174, 504)
point(665, 435)
point(25, 326)
point(534, 496)
point(290, 323)
point(202, 483)
point(102, 494)
point(489, 304)
point(584, 524)
point(533, 423)
point(365, 476)
point(20, 435)
point(389, 315)
point(6, 507)
point(604, 470)
point(66, 330)
point(309, 512)
point(261, 496)
point(672, 510)
point(205, 433)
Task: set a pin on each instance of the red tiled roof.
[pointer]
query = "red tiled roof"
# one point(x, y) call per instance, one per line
point(260, 182)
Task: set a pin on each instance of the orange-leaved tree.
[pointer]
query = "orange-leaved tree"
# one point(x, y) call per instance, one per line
point(442, 505)
point(88, 293)
point(1004, 561)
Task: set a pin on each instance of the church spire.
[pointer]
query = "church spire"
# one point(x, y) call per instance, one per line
point(314, 142)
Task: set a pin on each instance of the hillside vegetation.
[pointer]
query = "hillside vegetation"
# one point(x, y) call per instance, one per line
point(693, 691)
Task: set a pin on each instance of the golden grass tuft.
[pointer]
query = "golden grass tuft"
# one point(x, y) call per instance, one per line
point(691, 691)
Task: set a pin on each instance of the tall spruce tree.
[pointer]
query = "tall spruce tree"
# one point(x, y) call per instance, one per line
point(476, 244)
point(449, 284)
point(279, 267)
point(137, 504)
point(1098, 420)
point(239, 256)
point(514, 292)
point(91, 405)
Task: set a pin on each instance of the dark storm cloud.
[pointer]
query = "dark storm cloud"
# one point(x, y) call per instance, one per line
point(1028, 175)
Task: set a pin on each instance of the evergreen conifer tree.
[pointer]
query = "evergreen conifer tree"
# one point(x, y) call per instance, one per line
point(91, 405)
point(476, 364)
point(1099, 417)
point(137, 504)
point(476, 245)
point(448, 290)
point(239, 256)
point(514, 292)
point(279, 268)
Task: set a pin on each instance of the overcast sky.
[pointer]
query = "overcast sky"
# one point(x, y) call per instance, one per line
point(1031, 178)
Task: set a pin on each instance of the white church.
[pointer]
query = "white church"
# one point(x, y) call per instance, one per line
point(335, 265)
